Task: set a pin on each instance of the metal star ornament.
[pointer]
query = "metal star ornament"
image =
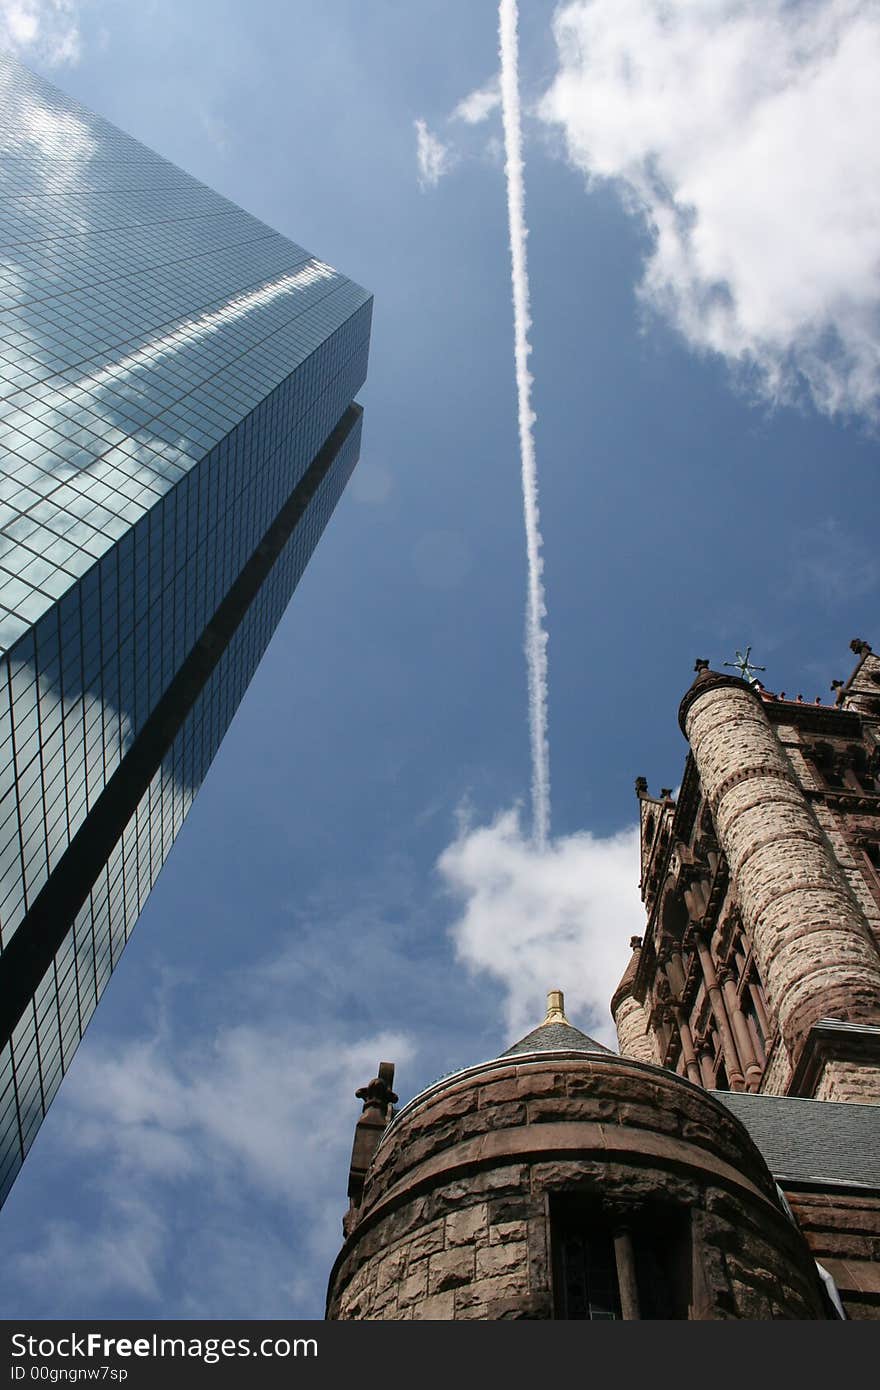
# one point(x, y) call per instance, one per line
point(744, 665)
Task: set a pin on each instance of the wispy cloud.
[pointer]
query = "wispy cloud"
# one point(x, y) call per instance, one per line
point(743, 134)
point(46, 29)
point(539, 919)
point(216, 130)
point(437, 157)
point(479, 104)
point(536, 609)
point(122, 1254)
point(829, 565)
point(217, 1156)
point(434, 159)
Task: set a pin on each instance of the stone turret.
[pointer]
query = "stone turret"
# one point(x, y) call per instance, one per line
point(630, 1018)
point(812, 941)
point(861, 693)
point(560, 1180)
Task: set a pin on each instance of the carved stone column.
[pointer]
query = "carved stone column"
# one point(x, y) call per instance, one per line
point(745, 1046)
point(732, 1063)
point(706, 1060)
point(692, 1066)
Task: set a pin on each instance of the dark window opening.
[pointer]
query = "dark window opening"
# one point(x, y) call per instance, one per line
point(586, 1284)
point(828, 766)
point(637, 1265)
point(861, 769)
point(871, 852)
point(661, 1249)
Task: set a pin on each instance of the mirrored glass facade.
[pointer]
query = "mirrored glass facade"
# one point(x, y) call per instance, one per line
point(176, 425)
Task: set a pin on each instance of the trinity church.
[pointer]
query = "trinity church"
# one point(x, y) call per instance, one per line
point(726, 1162)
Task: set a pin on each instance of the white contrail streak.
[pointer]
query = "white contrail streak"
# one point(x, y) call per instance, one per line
point(536, 609)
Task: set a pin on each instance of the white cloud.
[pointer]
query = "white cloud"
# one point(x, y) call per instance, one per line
point(46, 29)
point(478, 105)
point(744, 134)
point(434, 158)
point(536, 920)
point(231, 1105)
point(120, 1255)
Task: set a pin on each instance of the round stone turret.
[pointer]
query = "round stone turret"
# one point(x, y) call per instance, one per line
point(560, 1180)
point(812, 942)
point(629, 1014)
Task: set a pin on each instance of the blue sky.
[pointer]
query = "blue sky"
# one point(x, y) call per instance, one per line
point(356, 881)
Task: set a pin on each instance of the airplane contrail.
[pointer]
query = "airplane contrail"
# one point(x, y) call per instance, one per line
point(536, 608)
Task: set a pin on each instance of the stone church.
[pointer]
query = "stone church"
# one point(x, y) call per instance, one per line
point(726, 1163)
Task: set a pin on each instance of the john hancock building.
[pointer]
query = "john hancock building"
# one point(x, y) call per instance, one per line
point(177, 423)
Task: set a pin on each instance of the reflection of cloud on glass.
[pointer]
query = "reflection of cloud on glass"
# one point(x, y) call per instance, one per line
point(56, 132)
point(53, 132)
point(190, 331)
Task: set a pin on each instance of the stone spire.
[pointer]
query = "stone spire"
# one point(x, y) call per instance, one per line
point(379, 1100)
point(555, 1033)
point(555, 1008)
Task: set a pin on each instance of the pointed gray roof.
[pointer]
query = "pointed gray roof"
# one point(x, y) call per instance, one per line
point(555, 1037)
point(555, 1034)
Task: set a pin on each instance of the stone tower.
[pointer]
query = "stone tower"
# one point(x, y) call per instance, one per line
point(560, 1180)
point(759, 969)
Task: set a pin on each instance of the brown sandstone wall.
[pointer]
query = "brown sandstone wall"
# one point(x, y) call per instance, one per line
point(852, 1081)
point(842, 1229)
point(812, 943)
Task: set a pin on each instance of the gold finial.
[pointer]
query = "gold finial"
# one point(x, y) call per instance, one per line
point(555, 1008)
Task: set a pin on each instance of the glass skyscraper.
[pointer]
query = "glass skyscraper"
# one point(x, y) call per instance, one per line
point(177, 423)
